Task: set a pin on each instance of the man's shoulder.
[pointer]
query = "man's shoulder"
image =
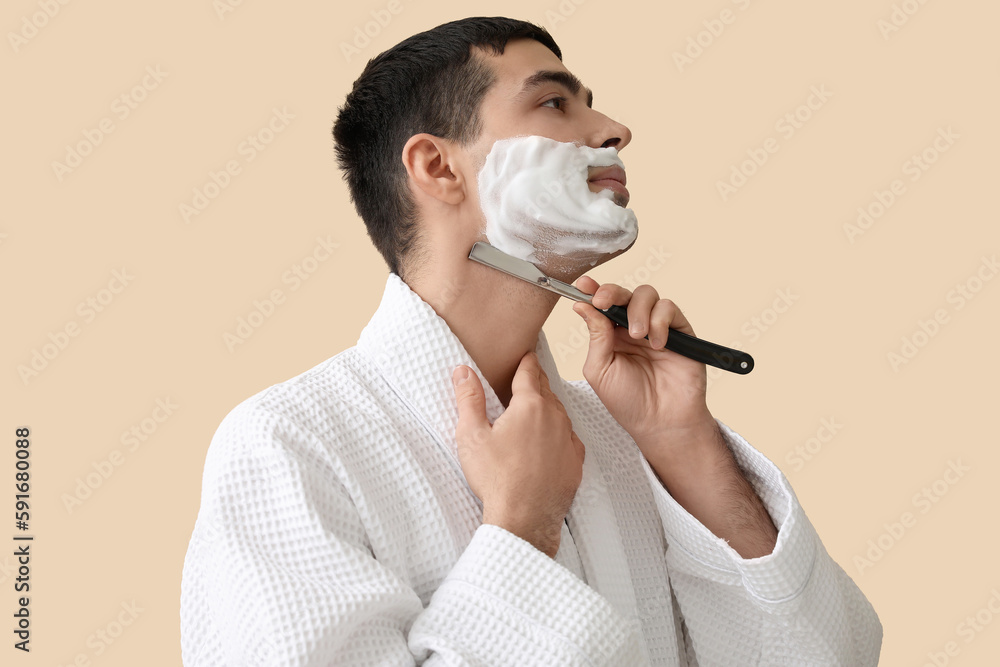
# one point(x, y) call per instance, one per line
point(323, 401)
point(338, 378)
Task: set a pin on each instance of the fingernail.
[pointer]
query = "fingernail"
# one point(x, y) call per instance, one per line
point(461, 374)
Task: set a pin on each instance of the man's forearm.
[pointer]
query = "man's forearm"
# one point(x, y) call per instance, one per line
point(701, 474)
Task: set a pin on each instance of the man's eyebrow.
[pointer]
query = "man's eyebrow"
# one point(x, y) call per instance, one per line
point(540, 78)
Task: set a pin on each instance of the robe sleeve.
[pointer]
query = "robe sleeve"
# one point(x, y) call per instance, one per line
point(794, 606)
point(280, 571)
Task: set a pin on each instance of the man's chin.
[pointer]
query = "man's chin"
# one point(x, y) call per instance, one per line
point(571, 266)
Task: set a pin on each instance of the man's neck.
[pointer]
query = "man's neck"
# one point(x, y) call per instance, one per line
point(496, 316)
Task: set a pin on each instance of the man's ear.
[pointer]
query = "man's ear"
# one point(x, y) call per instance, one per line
point(429, 161)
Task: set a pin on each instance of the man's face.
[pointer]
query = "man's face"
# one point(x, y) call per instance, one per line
point(536, 95)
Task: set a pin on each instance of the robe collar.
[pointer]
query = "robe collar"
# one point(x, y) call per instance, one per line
point(415, 352)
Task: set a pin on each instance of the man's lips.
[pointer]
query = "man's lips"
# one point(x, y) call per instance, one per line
point(612, 178)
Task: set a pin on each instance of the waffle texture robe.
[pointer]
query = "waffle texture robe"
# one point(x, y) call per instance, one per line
point(336, 528)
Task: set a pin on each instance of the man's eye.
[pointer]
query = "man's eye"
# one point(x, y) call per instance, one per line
point(560, 101)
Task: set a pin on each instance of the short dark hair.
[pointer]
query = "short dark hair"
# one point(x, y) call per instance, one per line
point(427, 83)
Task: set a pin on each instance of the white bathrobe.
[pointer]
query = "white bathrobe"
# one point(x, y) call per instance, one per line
point(336, 528)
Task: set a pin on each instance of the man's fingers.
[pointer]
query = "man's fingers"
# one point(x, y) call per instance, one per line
point(587, 284)
point(604, 296)
point(640, 307)
point(602, 341)
point(648, 314)
point(528, 378)
point(471, 400)
point(666, 315)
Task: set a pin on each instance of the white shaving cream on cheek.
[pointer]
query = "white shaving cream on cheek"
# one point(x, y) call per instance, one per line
point(534, 193)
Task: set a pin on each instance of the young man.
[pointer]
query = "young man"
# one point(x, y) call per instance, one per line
point(437, 494)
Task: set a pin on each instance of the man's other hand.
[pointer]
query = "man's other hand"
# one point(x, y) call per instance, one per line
point(527, 465)
point(657, 395)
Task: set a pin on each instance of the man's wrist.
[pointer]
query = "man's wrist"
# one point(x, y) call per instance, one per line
point(543, 537)
point(704, 477)
point(683, 452)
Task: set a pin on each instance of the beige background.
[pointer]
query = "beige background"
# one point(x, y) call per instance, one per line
point(824, 358)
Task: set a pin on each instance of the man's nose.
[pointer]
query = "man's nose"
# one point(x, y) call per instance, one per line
point(613, 133)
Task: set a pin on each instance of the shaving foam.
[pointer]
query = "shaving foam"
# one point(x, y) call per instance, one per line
point(534, 194)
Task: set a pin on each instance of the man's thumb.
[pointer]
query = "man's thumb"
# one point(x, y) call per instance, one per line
point(602, 336)
point(471, 400)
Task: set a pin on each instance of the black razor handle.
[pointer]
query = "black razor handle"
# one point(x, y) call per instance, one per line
point(712, 354)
